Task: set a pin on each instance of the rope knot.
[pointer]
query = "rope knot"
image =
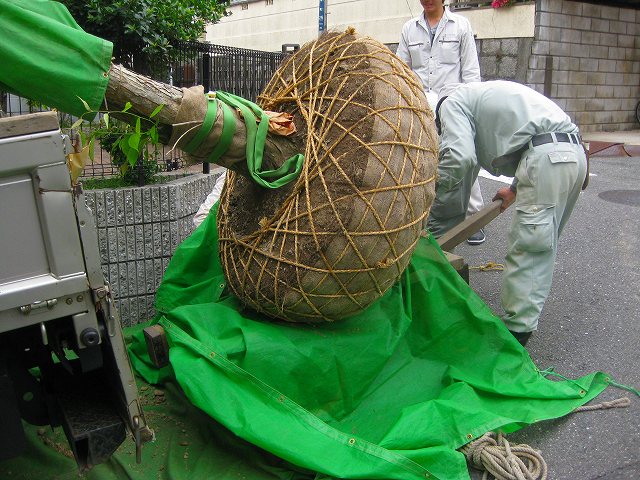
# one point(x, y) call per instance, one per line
point(474, 451)
point(504, 461)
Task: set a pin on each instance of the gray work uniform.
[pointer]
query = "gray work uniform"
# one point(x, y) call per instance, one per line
point(501, 126)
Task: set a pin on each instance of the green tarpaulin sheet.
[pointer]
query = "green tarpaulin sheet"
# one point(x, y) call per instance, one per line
point(47, 57)
point(389, 394)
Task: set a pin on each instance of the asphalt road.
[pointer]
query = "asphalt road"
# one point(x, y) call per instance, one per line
point(591, 321)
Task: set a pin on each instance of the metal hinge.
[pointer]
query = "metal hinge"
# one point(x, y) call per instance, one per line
point(49, 304)
point(103, 297)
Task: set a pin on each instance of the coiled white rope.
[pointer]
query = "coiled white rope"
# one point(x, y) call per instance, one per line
point(496, 456)
point(493, 454)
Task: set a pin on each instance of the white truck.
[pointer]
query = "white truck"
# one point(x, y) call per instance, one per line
point(63, 360)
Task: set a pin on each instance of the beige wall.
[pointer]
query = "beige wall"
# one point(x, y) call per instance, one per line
point(517, 21)
point(267, 27)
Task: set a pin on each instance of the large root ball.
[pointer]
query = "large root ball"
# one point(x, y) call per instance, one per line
point(332, 242)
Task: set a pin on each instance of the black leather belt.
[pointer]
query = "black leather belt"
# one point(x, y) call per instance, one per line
point(559, 137)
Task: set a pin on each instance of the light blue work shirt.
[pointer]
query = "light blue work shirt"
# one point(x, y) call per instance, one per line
point(452, 58)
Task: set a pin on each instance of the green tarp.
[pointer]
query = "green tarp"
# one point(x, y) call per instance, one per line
point(389, 394)
point(47, 57)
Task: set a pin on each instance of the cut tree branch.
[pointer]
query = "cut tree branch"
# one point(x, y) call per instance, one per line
point(184, 119)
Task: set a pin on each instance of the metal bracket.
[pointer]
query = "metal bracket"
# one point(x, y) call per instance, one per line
point(157, 345)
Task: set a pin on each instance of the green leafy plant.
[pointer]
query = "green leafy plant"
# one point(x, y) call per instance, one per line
point(142, 31)
point(35, 106)
point(133, 144)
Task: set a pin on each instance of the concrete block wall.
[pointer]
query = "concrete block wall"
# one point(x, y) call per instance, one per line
point(139, 229)
point(504, 58)
point(594, 52)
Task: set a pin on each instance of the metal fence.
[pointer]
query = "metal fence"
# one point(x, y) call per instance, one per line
point(239, 71)
point(236, 70)
point(465, 4)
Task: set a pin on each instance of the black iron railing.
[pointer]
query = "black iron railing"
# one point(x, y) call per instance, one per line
point(239, 71)
point(464, 4)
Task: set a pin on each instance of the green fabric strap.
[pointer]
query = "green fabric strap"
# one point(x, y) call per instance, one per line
point(205, 128)
point(228, 131)
point(256, 137)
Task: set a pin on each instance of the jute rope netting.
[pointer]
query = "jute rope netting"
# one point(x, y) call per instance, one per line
point(327, 245)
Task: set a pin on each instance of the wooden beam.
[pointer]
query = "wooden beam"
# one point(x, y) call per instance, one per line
point(31, 123)
point(469, 226)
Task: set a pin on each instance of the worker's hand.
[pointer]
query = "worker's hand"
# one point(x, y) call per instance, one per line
point(507, 196)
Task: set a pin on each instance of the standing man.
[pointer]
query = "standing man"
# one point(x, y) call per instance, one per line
point(510, 129)
point(440, 48)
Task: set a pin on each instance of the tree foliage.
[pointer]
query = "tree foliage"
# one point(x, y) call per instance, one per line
point(133, 141)
point(142, 31)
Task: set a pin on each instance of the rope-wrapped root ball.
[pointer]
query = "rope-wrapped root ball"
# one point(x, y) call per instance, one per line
point(327, 245)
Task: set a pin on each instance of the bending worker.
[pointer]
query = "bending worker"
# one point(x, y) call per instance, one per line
point(440, 49)
point(510, 129)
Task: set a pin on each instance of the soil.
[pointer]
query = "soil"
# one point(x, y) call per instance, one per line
point(249, 205)
point(270, 239)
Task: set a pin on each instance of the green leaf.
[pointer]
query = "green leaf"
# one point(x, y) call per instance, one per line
point(153, 135)
point(134, 141)
point(123, 145)
point(138, 125)
point(77, 123)
point(132, 157)
point(105, 118)
point(127, 106)
point(86, 105)
point(156, 111)
point(91, 148)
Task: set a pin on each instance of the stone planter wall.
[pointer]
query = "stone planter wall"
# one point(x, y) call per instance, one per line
point(139, 228)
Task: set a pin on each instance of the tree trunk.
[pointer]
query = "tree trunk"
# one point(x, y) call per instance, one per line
point(146, 94)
